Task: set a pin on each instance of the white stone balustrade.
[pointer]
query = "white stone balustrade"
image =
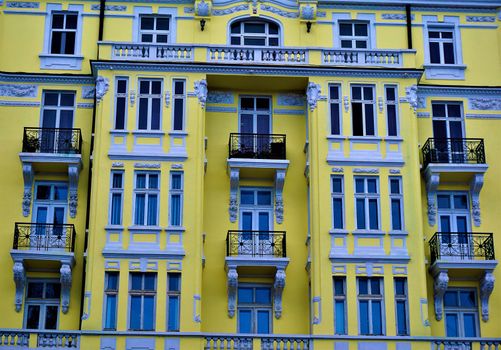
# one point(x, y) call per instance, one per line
point(152, 52)
point(387, 58)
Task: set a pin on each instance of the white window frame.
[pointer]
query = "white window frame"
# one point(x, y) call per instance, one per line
point(335, 103)
point(121, 95)
point(392, 103)
point(142, 293)
point(178, 97)
point(116, 190)
point(174, 293)
point(366, 196)
point(63, 31)
point(364, 102)
point(108, 292)
point(371, 298)
point(343, 299)
point(441, 41)
point(58, 108)
point(147, 192)
point(150, 96)
point(171, 12)
point(402, 298)
point(242, 35)
point(43, 303)
point(62, 61)
point(396, 196)
point(354, 38)
point(174, 192)
point(338, 195)
point(154, 32)
point(370, 18)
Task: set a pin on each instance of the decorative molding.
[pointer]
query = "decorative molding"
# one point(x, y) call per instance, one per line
point(177, 166)
point(288, 111)
point(230, 10)
point(366, 170)
point(102, 85)
point(346, 103)
point(480, 19)
point(23, 5)
point(19, 104)
point(295, 100)
point(189, 10)
point(87, 305)
point(308, 12)
point(483, 116)
point(117, 164)
point(233, 205)
point(221, 109)
point(17, 90)
point(485, 104)
point(97, 7)
point(337, 170)
point(380, 104)
point(432, 181)
point(132, 97)
point(278, 288)
point(486, 288)
point(394, 171)
point(279, 202)
point(476, 184)
point(73, 174)
point(147, 165)
point(201, 91)
point(88, 92)
point(85, 105)
point(439, 288)
point(232, 285)
point(65, 280)
point(28, 175)
point(196, 315)
point(421, 102)
point(20, 281)
point(423, 114)
point(313, 95)
point(395, 16)
point(277, 11)
point(222, 97)
point(202, 8)
point(317, 310)
point(167, 98)
point(411, 96)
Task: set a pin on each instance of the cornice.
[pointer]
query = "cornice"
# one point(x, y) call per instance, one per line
point(45, 78)
point(457, 90)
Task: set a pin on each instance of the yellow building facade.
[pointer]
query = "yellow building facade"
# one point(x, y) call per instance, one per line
point(245, 175)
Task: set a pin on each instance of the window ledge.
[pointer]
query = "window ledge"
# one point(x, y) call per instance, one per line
point(336, 137)
point(145, 228)
point(394, 138)
point(369, 232)
point(444, 71)
point(148, 132)
point(175, 229)
point(178, 133)
point(114, 227)
point(364, 138)
point(398, 233)
point(337, 231)
point(64, 62)
point(119, 132)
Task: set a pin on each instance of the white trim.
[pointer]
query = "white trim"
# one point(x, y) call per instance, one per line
point(147, 10)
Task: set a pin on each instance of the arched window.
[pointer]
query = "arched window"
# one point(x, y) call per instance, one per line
point(250, 32)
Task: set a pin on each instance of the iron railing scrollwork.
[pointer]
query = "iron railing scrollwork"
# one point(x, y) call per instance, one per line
point(257, 146)
point(35, 236)
point(256, 243)
point(48, 140)
point(453, 150)
point(461, 246)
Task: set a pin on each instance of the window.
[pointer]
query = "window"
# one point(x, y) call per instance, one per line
point(42, 305)
point(400, 284)
point(142, 293)
point(173, 301)
point(146, 193)
point(340, 305)
point(154, 29)
point(179, 102)
point(49, 213)
point(337, 202)
point(391, 110)
point(370, 304)
point(396, 203)
point(150, 104)
point(254, 33)
point(110, 300)
point(116, 193)
point(120, 103)
point(254, 310)
point(63, 33)
point(362, 106)
point(57, 121)
point(335, 107)
point(441, 45)
point(367, 203)
point(461, 313)
point(176, 198)
point(354, 35)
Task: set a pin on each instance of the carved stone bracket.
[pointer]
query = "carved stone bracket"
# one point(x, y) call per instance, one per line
point(28, 182)
point(411, 95)
point(440, 286)
point(66, 280)
point(203, 8)
point(233, 207)
point(102, 85)
point(312, 95)
point(232, 291)
point(432, 181)
point(475, 186)
point(20, 281)
point(486, 288)
point(201, 91)
point(73, 174)
point(279, 202)
point(278, 288)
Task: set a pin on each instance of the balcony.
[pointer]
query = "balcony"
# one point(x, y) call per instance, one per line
point(51, 150)
point(454, 160)
point(460, 255)
point(43, 246)
point(256, 244)
point(256, 146)
point(283, 56)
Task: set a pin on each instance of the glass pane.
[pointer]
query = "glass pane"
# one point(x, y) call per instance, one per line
point(43, 191)
point(377, 322)
point(235, 28)
point(56, 43)
point(147, 23)
point(345, 29)
point(179, 87)
point(121, 86)
point(467, 298)
point(451, 325)
point(153, 181)
point(337, 185)
point(360, 214)
point(263, 295)
point(149, 312)
point(175, 210)
point(155, 114)
point(272, 28)
point(52, 290)
point(339, 286)
point(264, 224)
point(147, 38)
point(149, 281)
point(375, 286)
point(373, 214)
point(41, 217)
point(335, 120)
point(117, 180)
point(263, 104)
point(247, 197)
point(390, 94)
point(400, 286)
point(135, 312)
point(178, 113)
point(175, 182)
point(339, 315)
point(434, 52)
point(112, 281)
point(346, 44)
point(173, 318)
point(254, 27)
point(263, 321)
point(368, 93)
point(244, 321)
point(235, 40)
point(462, 226)
point(357, 119)
point(58, 218)
point(67, 100)
point(162, 23)
point(136, 281)
point(449, 53)
point(51, 312)
point(110, 312)
point(120, 113)
point(263, 128)
point(443, 201)
point(60, 193)
point(401, 318)
point(144, 87)
point(273, 41)
point(141, 181)
point(69, 46)
point(255, 41)
point(438, 110)
point(392, 120)
point(456, 132)
point(139, 214)
point(245, 295)
point(264, 198)
point(33, 317)
point(174, 282)
point(359, 185)
point(445, 226)
point(453, 110)
point(356, 92)
point(156, 87)
point(451, 299)
point(337, 204)
point(433, 34)
point(460, 201)
point(57, 21)
point(394, 186)
point(371, 185)
point(363, 286)
point(143, 114)
point(369, 120)
point(396, 222)
point(35, 290)
point(446, 35)
point(470, 328)
point(247, 224)
point(364, 317)
point(361, 29)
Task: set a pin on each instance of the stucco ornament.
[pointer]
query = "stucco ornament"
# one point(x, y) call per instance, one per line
point(278, 288)
point(233, 205)
point(486, 288)
point(440, 286)
point(102, 86)
point(201, 91)
point(20, 281)
point(411, 96)
point(232, 291)
point(203, 8)
point(308, 12)
point(313, 95)
point(15, 90)
point(65, 280)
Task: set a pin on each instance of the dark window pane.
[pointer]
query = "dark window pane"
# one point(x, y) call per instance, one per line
point(178, 113)
point(369, 120)
point(155, 114)
point(335, 120)
point(346, 44)
point(360, 214)
point(43, 192)
point(254, 27)
point(360, 29)
point(245, 295)
point(451, 299)
point(179, 87)
point(174, 282)
point(120, 113)
point(375, 286)
point(35, 290)
point(112, 280)
point(377, 320)
point(358, 126)
point(345, 29)
point(356, 92)
point(33, 317)
point(434, 52)
point(52, 290)
point(363, 288)
point(390, 94)
point(334, 92)
point(337, 186)
point(244, 321)
point(51, 99)
point(173, 317)
point(272, 28)
point(371, 185)
point(401, 318)
point(235, 40)
point(373, 214)
point(392, 120)
point(451, 325)
point(394, 186)
point(470, 328)
point(468, 299)
point(263, 104)
point(264, 198)
point(51, 312)
point(58, 21)
point(144, 87)
point(162, 38)
point(135, 312)
point(339, 286)
point(156, 87)
point(340, 317)
point(122, 86)
point(149, 314)
point(162, 23)
point(449, 53)
point(143, 114)
point(273, 41)
point(460, 201)
point(359, 186)
point(263, 321)
point(67, 99)
point(453, 110)
point(368, 93)
point(235, 28)
point(55, 46)
point(71, 21)
point(247, 197)
point(364, 317)
point(438, 109)
point(400, 286)
point(433, 34)
point(263, 296)
point(69, 48)
point(147, 23)
point(247, 103)
point(149, 281)
point(337, 204)
point(147, 38)
point(447, 35)
point(361, 44)
point(443, 202)
point(136, 281)
point(255, 41)
point(110, 312)
point(396, 221)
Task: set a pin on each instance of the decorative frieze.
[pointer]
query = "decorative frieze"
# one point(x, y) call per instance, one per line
point(230, 10)
point(395, 16)
point(366, 170)
point(485, 103)
point(177, 166)
point(480, 19)
point(117, 164)
point(189, 10)
point(18, 90)
point(88, 92)
point(411, 96)
point(147, 165)
point(294, 100)
point(97, 7)
point(220, 97)
point(279, 12)
point(337, 170)
point(394, 171)
point(23, 5)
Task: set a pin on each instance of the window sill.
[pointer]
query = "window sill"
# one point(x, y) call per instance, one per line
point(364, 138)
point(336, 137)
point(338, 231)
point(398, 233)
point(148, 133)
point(178, 133)
point(175, 229)
point(368, 232)
point(394, 139)
point(444, 71)
point(144, 228)
point(114, 227)
point(119, 132)
point(63, 62)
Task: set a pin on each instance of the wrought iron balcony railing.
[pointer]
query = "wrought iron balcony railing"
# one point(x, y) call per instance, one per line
point(48, 140)
point(256, 243)
point(257, 146)
point(441, 150)
point(47, 237)
point(453, 246)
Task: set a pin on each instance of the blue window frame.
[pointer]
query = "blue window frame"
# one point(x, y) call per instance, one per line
point(146, 195)
point(370, 305)
point(110, 300)
point(337, 202)
point(340, 305)
point(367, 203)
point(254, 309)
point(401, 306)
point(461, 313)
point(173, 301)
point(396, 204)
point(142, 294)
point(116, 198)
point(176, 198)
